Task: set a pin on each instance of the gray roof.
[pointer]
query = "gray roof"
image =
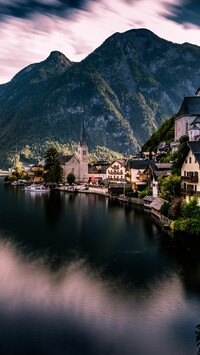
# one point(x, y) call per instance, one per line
point(194, 146)
point(196, 120)
point(190, 106)
point(194, 128)
point(163, 166)
point(148, 198)
point(66, 158)
point(138, 164)
point(157, 203)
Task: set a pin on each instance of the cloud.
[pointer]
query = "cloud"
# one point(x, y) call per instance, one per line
point(186, 12)
point(25, 9)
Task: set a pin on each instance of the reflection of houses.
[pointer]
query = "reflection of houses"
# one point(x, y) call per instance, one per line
point(188, 118)
point(97, 171)
point(189, 163)
point(137, 172)
point(116, 171)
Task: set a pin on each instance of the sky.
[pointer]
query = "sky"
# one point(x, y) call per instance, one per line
point(31, 29)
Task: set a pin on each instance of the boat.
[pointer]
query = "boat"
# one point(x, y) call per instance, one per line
point(37, 188)
point(18, 182)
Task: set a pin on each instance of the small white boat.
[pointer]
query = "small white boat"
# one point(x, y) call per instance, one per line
point(37, 188)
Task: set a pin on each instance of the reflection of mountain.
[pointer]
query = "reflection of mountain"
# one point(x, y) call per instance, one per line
point(53, 207)
point(183, 250)
point(74, 310)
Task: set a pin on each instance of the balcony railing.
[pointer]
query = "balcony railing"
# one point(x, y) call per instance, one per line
point(190, 192)
point(193, 179)
point(115, 172)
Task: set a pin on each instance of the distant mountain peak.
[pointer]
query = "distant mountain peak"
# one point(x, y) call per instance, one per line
point(56, 56)
point(128, 86)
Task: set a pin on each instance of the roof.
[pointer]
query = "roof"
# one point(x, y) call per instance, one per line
point(194, 128)
point(66, 158)
point(163, 166)
point(120, 161)
point(196, 120)
point(138, 164)
point(101, 162)
point(194, 146)
point(190, 106)
point(157, 203)
point(96, 169)
point(148, 198)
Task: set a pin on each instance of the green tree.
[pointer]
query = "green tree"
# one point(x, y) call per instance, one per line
point(191, 209)
point(165, 208)
point(169, 187)
point(56, 173)
point(71, 178)
point(175, 208)
point(51, 157)
point(53, 168)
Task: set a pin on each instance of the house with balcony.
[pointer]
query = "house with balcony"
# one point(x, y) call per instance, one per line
point(189, 163)
point(136, 173)
point(116, 171)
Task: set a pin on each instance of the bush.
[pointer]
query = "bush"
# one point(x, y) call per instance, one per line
point(146, 192)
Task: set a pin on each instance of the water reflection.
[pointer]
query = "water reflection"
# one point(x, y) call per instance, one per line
point(79, 275)
point(76, 301)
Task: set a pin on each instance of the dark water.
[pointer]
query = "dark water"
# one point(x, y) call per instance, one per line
point(79, 275)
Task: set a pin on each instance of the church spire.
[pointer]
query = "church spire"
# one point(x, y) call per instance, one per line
point(83, 140)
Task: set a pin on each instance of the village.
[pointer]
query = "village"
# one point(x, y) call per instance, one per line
point(132, 179)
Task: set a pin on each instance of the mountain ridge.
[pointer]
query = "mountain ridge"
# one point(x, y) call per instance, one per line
point(125, 90)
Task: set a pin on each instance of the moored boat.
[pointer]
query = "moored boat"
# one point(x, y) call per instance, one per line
point(37, 188)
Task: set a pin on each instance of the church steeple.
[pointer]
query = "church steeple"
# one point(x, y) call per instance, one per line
point(83, 153)
point(83, 134)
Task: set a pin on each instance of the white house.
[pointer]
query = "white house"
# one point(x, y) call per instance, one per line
point(116, 171)
point(189, 163)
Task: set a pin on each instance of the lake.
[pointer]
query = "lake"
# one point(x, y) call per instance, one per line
point(80, 274)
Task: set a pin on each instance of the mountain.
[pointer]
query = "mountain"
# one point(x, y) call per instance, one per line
point(124, 90)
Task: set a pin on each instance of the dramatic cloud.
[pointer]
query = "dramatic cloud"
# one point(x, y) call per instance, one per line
point(27, 8)
point(31, 29)
point(185, 12)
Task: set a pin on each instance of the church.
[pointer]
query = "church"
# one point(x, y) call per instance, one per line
point(188, 118)
point(77, 164)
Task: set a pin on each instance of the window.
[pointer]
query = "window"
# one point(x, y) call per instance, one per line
point(185, 161)
point(190, 160)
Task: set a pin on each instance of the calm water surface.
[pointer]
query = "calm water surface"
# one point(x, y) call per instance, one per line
point(80, 275)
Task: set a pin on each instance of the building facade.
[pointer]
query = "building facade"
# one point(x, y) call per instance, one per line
point(188, 118)
point(189, 164)
point(117, 170)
